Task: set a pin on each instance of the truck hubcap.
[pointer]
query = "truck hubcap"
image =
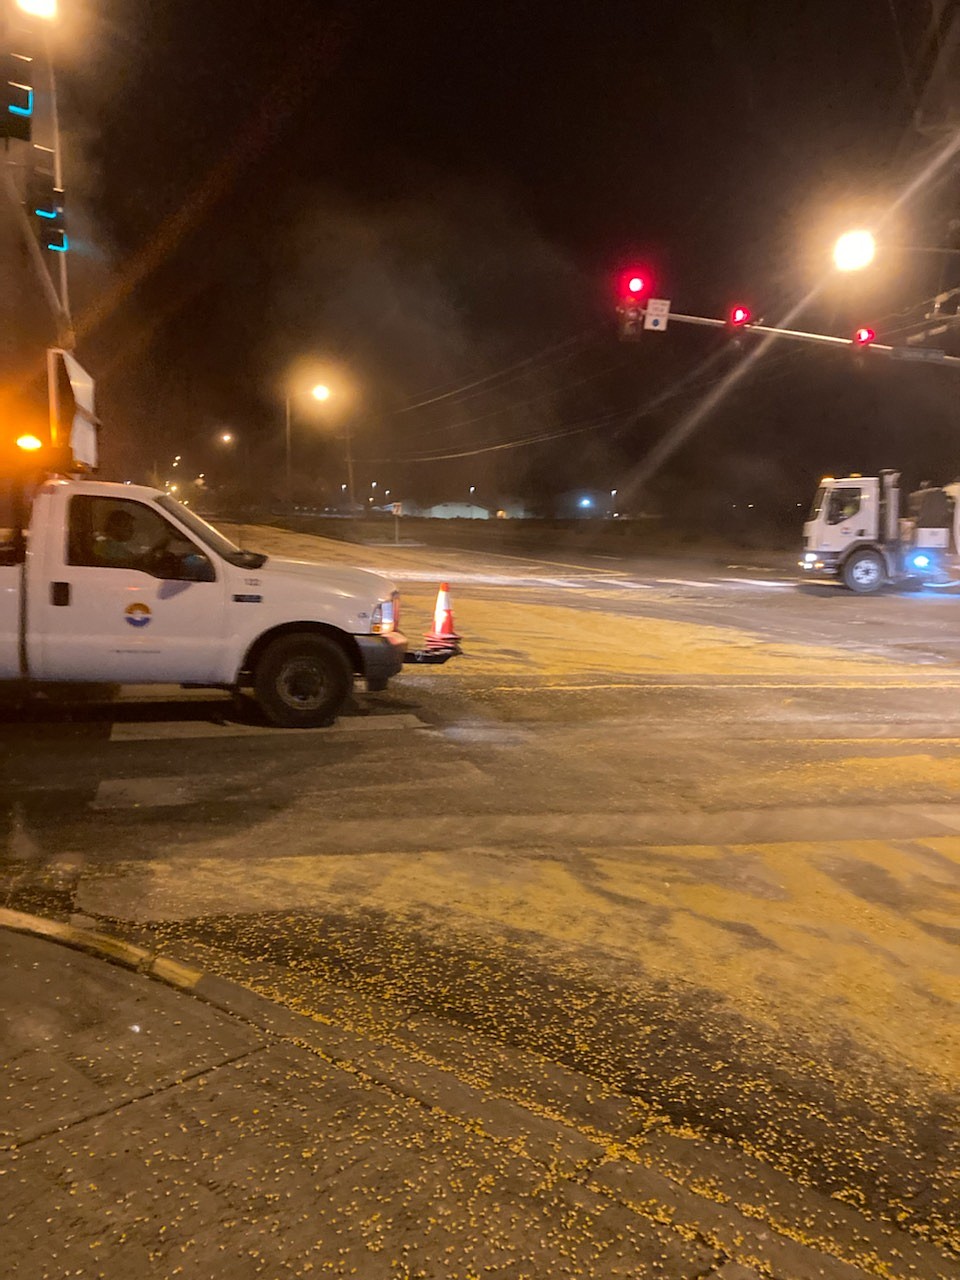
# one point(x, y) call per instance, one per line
point(302, 684)
point(865, 573)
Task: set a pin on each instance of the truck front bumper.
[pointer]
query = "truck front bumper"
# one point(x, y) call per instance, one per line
point(820, 564)
point(381, 657)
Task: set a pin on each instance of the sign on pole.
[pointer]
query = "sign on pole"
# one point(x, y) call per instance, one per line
point(658, 312)
point(73, 418)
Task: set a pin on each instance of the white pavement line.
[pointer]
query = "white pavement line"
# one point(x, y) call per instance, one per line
point(712, 584)
point(503, 580)
point(173, 730)
point(145, 793)
point(643, 686)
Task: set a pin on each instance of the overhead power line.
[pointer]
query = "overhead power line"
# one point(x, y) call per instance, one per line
point(490, 377)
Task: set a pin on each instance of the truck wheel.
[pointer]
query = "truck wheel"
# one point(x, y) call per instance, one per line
point(864, 572)
point(302, 681)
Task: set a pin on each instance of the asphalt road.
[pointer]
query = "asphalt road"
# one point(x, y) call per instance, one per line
point(690, 831)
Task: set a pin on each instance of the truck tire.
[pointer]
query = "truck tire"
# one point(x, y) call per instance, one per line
point(864, 572)
point(302, 681)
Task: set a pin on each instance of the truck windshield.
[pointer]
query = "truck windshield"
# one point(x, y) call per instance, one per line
point(817, 503)
point(210, 536)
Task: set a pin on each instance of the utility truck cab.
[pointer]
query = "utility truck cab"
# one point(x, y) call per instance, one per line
point(120, 584)
point(860, 532)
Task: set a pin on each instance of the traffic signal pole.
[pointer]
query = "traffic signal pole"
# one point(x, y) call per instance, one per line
point(925, 354)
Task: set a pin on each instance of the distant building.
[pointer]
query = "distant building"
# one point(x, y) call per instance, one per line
point(454, 511)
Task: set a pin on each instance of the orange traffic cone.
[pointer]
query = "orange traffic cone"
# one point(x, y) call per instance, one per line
point(443, 635)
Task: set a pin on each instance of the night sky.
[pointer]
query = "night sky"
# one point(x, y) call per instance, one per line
point(413, 199)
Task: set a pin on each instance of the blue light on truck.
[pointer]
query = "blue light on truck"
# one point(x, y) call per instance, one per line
point(921, 562)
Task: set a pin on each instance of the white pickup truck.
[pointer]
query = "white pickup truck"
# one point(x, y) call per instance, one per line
point(119, 584)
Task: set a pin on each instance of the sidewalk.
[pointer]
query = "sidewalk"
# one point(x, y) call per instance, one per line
point(166, 1123)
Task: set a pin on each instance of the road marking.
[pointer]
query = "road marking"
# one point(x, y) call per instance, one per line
point(508, 580)
point(173, 730)
point(761, 584)
point(679, 683)
point(146, 793)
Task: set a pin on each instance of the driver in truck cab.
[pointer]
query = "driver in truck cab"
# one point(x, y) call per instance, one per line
point(113, 545)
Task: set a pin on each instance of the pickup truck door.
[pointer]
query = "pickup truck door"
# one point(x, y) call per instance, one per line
point(130, 599)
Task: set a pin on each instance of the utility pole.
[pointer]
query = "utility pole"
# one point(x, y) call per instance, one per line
point(289, 484)
point(348, 440)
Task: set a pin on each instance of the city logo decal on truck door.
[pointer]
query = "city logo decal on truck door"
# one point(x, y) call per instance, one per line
point(138, 614)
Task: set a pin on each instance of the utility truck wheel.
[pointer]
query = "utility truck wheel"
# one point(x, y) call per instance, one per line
point(302, 681)
point(864, 572)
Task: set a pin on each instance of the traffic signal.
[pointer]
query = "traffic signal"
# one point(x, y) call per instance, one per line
point(46, 210)
point(17, 100)
point(863, 336)
point(634, 283)
point(631, 322)
point(738, 317)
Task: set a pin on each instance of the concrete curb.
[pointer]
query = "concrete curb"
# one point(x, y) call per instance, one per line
point(105, 946)
point(642, 1172)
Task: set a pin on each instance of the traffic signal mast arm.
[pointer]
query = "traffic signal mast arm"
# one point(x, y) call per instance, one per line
point(824, 339)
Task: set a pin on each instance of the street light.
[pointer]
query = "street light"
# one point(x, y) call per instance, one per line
point(226, 437)
point(320, 392)
point(46, 9)
point(854, 250)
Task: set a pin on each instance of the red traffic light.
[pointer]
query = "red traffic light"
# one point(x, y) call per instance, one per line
point(634, 283)
point(863, 337)
point(739, 316)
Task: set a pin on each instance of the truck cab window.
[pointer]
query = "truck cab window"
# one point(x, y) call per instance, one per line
point(842, 505)
point(118, 534)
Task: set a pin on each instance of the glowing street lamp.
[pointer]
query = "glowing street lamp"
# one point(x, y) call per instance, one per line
point(226, 437)
point(320, 392)
point(854, 250)
point(46, 9)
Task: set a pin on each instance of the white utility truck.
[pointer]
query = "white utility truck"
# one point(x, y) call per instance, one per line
point(120, 584)
point(859, 533)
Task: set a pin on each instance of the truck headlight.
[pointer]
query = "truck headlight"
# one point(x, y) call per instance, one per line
point(386, 616)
